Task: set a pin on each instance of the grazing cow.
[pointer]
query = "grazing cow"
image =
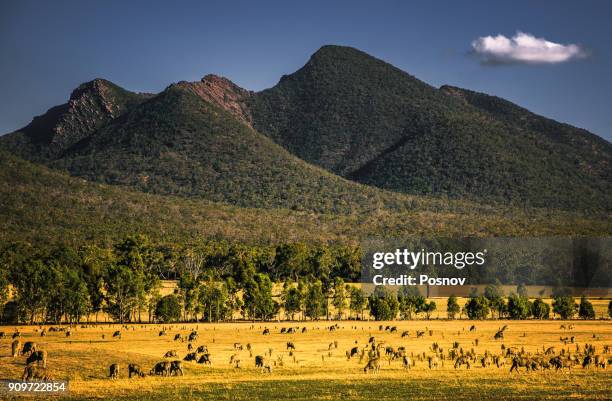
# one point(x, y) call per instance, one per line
point(406, 362)
point(486, 361)
point(560, 363)
point(266, 332)
point(171, 354)
point(405, 333)
point(433, 362)
point(178, 337)
point(259, 361)
point(499, 361)
point(162, 333)
point(2, 334)
point(235, 360)
point(290, 346)
point(588, 361)
point(136, 370)
point(176, 368)
point(192, 356)
point(205, 359)
point(473, 328)
point(202, 349)
point(28, 348)
point(420, 333)
point(262, 363)
point(117, 334)
point(193, 336)
point(35, 373)
point(290, 330)
point(161, 369)
point(600, 361)
point(462, 360)
point(43, 333)
point(16, 334)
point(15, 348)
point(190, 347)
point(114, 371)
point(40, 357)
point(283, 330)
point(238, 346)
point(393, 329)
point(373, 365)
point(354, 351)
point(518, 361)
point(303, 329)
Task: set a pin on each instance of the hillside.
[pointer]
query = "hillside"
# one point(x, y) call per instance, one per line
point(45, 206)
point(591, 153)
point(311, 142)
point(368, 121)
point(177, 143)
point(90, 106)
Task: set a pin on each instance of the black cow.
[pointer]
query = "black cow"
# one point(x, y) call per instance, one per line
point(114, 371)
point(205, 359)
point(40, 357)
point(161, 369)
point(176, 368)
point(28, 348)
point(134, 369)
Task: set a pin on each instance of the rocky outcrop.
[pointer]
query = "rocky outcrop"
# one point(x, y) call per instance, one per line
point(223, 93)
point(90, 106)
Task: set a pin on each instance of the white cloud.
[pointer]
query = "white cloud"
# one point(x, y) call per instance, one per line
point(523, 48)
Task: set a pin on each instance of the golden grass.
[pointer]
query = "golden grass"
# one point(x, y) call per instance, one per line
point(316, 373)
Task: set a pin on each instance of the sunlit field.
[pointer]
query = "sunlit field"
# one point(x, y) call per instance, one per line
point(318, 368)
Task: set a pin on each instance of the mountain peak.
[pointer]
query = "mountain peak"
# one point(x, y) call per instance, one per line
point(90, 105)
point(327, 50)
point(96, 86)
point(223, 93)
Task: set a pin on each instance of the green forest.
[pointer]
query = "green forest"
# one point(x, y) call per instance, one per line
point(217, 279)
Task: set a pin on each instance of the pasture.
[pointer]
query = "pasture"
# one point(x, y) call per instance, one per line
point(317, 368)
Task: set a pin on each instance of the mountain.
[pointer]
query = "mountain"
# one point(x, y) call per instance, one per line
point(345, 134)
point(188, 141)
point(370, 122)
point(90, 106)
point(44, 206)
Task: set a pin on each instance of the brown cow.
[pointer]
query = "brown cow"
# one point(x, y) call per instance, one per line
point(373, 365)
point(40, 357)
point(36, 373)
point(15, 348)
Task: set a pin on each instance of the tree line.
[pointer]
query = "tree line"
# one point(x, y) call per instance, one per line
point(217, 281)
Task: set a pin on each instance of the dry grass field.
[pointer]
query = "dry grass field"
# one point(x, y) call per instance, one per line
point(314, 372)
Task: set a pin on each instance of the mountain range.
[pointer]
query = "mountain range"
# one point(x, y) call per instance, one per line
point(346, 134)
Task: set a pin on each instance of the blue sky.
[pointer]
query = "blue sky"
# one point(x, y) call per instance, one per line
point(48, 48)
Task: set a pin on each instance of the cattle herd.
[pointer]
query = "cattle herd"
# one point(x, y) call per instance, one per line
point(383, 346)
